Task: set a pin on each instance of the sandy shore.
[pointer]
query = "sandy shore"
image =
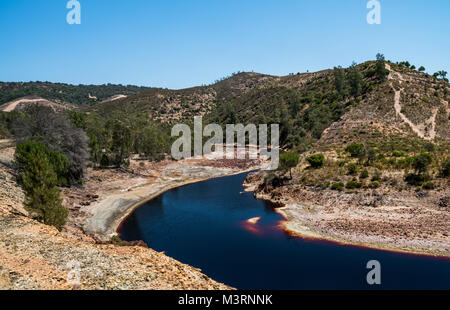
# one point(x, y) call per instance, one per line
point(112, 208)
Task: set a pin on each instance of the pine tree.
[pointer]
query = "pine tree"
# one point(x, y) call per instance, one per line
point(355, 80)
point(339, 80)
point(380, 68)
point(288, 161)
point(39, 182)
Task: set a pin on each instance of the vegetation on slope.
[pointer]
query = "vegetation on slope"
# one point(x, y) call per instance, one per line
point(41, 169)
point(59, 92)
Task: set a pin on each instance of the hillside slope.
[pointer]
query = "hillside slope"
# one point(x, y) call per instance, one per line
point(174, 105)
point(22, 103)
point(409, 104)
point(60, 93)
point(378, 196)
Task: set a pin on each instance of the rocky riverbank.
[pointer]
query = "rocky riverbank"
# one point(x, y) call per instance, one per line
point(405, 221)
point(36, 256)
point(109, 196)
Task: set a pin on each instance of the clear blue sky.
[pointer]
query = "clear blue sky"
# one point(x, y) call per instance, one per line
point(182, 43)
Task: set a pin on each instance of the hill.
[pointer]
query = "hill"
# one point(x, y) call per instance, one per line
point(60, 93)
point(22, 103)
point(173, 105)
point(378, 173)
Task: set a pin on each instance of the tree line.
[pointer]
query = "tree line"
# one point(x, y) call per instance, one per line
point(54, 149)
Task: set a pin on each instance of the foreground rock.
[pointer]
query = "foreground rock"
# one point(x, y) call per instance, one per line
point(35, 256)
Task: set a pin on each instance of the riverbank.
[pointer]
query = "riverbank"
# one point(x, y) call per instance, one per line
point(111, 209)
point(109, 196)
point(400, 222)
point(37, 256)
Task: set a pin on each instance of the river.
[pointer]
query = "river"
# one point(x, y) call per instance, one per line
point(206, 225)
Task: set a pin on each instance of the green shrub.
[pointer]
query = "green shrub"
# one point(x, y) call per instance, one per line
point(398, 154)
point(364, 174)
point(337, 186)
point(325, 185)
point(352, 168)
point(288, 161)
point(416, 179)
point(356, 150)
point(353, 185)
point(316, 161)
point(405, 162)
point(421, 162)
point(104, 161)
point(445, 170)
point(429, 147)
point(116, 240)
point(376, 176)
point(39, 180)
point(371, 155)
point(375, 184)
point(429, 186)
point(29, 149)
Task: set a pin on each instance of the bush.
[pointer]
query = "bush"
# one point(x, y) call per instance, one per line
point(353, 185)
point(325, 185)
point(273, 180)
point(4, 132)
point(116, 240)
point(398, 154)
point(376, 176)
point(375, 184)
point(405, 162)
point(337, 186)
point(356, 150)
point(352, 168)
point(429, 186)
point(364, 174)
point(39, 181)
point(371, 155)
point(151, 142)
point(288, 161)
point(316, 161)
point(429, 147)
point(104, 161)
point(421, 162)
point(445, 171)
point(416, 179)
point(57, 133)
point(26, 151)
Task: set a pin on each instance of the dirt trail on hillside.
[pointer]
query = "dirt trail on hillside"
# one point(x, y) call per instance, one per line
point(419, 129)
point(114, 98)
point(13, 105)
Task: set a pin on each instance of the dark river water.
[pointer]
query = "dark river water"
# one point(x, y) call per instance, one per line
point(205, 225)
